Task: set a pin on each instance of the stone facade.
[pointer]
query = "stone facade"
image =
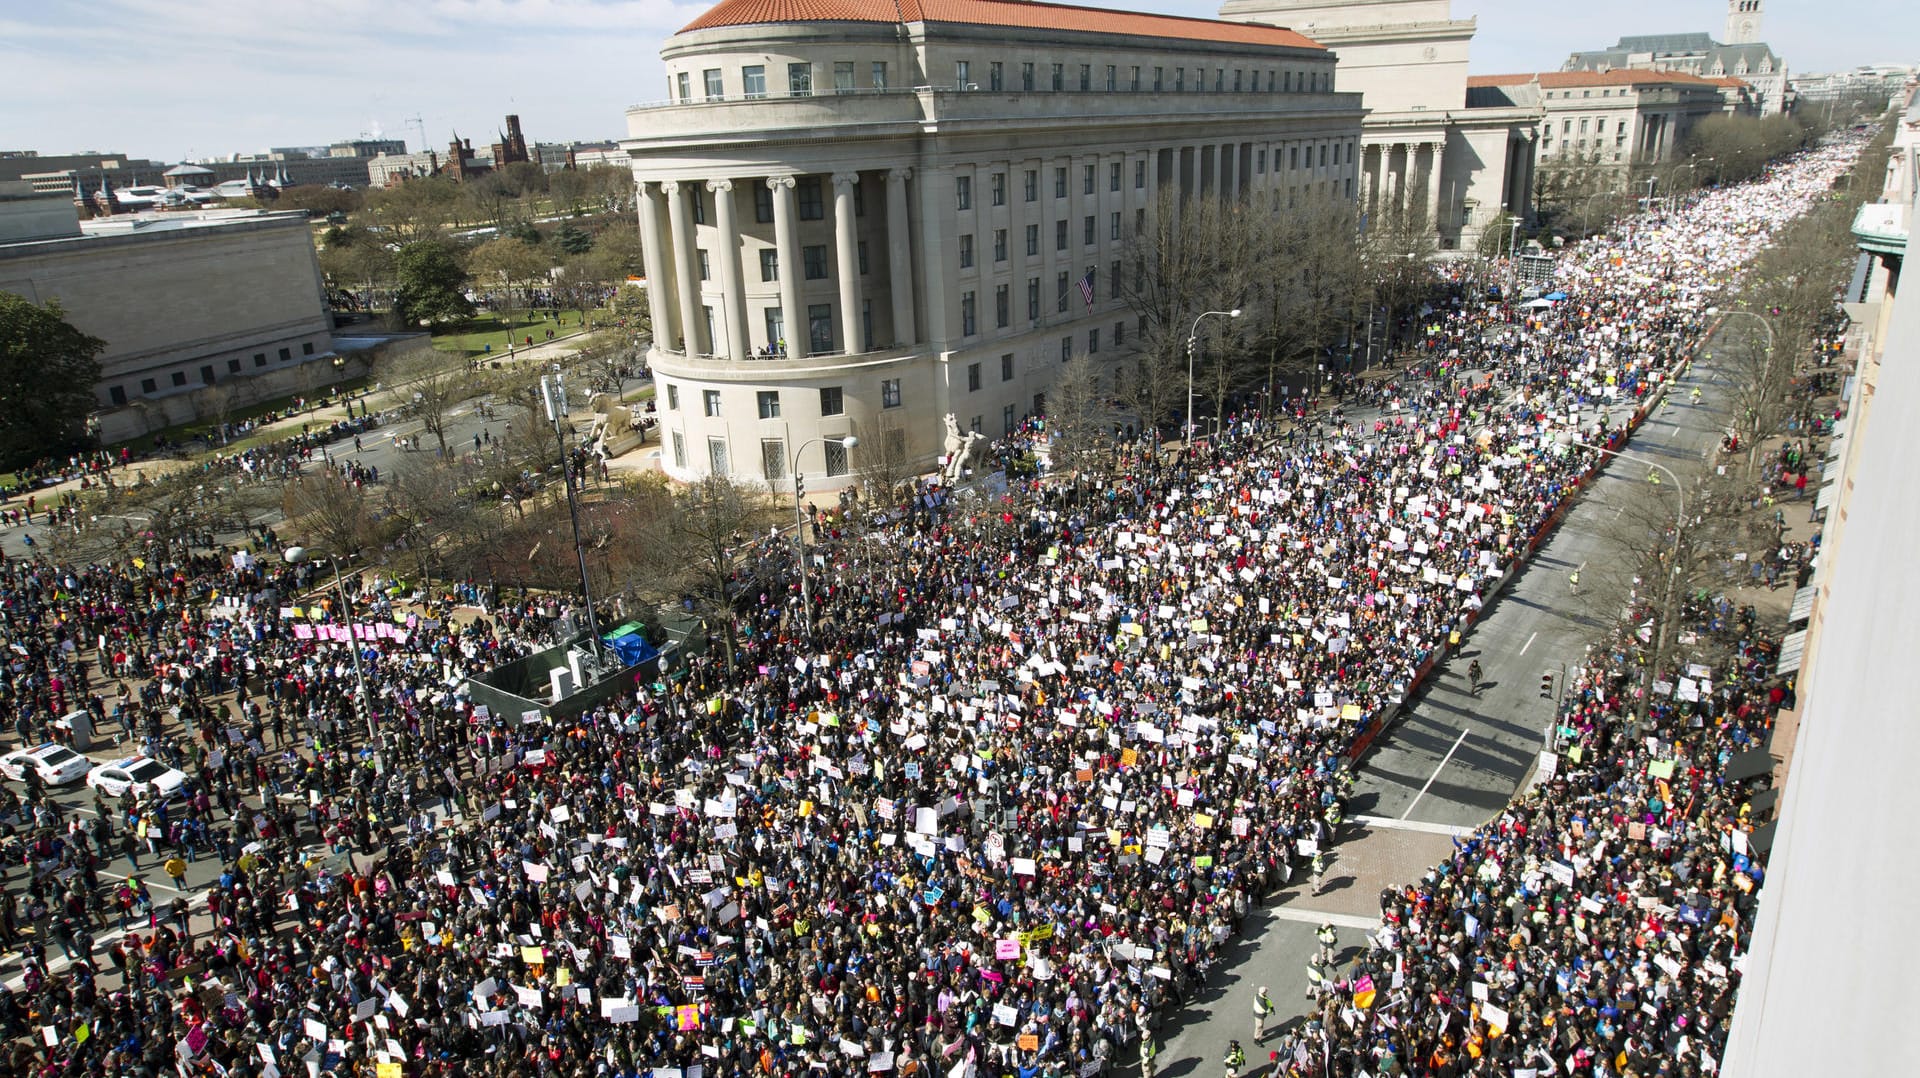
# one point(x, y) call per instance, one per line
point(909, 208)
point(1615, 119)
point(1429, 148)
point(186, 300)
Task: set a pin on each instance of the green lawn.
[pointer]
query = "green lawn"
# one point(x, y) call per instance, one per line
point(188, 431)
point(474, 338)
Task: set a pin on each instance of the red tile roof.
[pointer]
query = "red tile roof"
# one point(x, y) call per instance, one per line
point(1011, 14)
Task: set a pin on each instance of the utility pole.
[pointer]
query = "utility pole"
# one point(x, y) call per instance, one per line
point(553, 393)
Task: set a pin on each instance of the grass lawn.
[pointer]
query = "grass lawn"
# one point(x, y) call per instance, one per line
point(474, 338)
point(189, 431)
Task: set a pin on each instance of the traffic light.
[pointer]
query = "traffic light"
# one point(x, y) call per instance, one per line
point(1546, 686)
point(799, 485)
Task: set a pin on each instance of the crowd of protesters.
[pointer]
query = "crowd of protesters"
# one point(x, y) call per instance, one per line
point(995, 801)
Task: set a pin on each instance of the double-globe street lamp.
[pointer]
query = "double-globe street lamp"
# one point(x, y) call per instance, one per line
point(799, 518)
point(296, 555)
point(1193, 346)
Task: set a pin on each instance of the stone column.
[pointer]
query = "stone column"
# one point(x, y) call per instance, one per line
point(655, 256)
point(935, 188)
point(1435, 151)
point(793, 317)
point(900, 257)
point(853, 337)
point(686, 271)
point(732, 281)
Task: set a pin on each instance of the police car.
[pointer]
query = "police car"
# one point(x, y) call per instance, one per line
point(142, 774)
point(56, 765)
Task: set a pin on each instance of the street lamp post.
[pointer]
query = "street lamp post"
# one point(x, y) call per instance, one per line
point(553, 393)
point(1193, 346)
point(800, 522)
point(295, 555)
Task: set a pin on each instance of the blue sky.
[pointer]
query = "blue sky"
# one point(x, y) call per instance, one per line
point(204, 77)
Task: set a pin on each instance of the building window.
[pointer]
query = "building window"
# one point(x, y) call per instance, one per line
point(966, 252)
point(962, 75)
point(706, 265)
point(843, 76)
point(836, 454)
point(831, 402)
point(179, 378)
point(1086, 231)
point(1086, 77)
point(1002, 306)
point(1219, 80)
point(879, 76)
point(1006, 418)
point(1119, 334)
point(1060, 292)
point(1026, 76)
point(753, 81)
point(148, 385)
point(999, 245)
point(683, 85)
point(773, 459)
point(890, 393)
point(233, 366)
point(763, 204)
point(679, 450)
point(1060, 235)
point(1033, 184)
point(1236, 79)
point(706, 319)
point(860, 249)
point(1060, 182)
point(799, 80)
point(286, 354)
point(1113, 225)
point(1066, 352)
point(1260, 162)
point(117, 394)
point(820, 327)
point(206, 375)
point(306, 349)
point(999, 186)
point(969, 324)
point(717, 456)
point(1033, 299)
point(1113, 78)
point(1059, 77)
point(1086, 179)
point(711, 401)
point(1113, 279)
point(673, 397)
point(808, 190)
point(1006, 367)
point(259, 359)
point(1179, 79)
point(1033, 240)
point(716, 88)
point(1140, 221)
point(1093, 341)
point(1113, 176)
point(1139, 175)
point(814, 257)
point(996, 76)
point(770, 265)
point(963, 192)
point(768, 401)
point(1159, 79)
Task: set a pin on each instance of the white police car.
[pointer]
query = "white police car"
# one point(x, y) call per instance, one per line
point(142, 774)
point(56, 765)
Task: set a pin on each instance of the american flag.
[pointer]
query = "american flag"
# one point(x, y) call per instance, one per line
point(1086, 290)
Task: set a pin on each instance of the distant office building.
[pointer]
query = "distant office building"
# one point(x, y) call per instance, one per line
point(1615, 118)
point(1427, 144)
point(185, 301)
point(1743, 56)
point(389, 169)
point(367, 147)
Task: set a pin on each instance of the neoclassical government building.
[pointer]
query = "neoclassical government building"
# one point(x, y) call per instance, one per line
point(862, 215)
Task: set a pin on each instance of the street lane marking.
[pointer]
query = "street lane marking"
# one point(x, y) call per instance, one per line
point(1435, 775)
point(1387, 823)
point(1529, 643)
point(1319, 917)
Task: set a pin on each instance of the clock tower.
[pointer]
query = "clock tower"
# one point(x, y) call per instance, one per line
point(1743, 22)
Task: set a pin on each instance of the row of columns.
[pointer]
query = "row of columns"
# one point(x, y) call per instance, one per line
point(1395, 179)
point(677, 316)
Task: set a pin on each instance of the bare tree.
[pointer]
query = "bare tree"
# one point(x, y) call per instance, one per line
point(430, 383)
point(884, 461)
point(332, 514)
point(1080, 423)
point(696, 547)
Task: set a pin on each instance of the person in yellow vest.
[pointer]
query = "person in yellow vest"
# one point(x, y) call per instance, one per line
point(1262, 1010)
point(1236, 1058)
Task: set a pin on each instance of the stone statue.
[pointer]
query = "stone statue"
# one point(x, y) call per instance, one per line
point(961, 449)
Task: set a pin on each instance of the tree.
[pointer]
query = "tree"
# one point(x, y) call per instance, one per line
point(47, 373)
point(332, 514)
point(1079, 422)
point(514, 265)
point(883, 461)
point(319, 200)
point(696, 547)
point(431, 285)
point(354, 258)
point(1400, 247)
point(413, 210)
point(1313, 284)
point(573, 239)
point(430, 383)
